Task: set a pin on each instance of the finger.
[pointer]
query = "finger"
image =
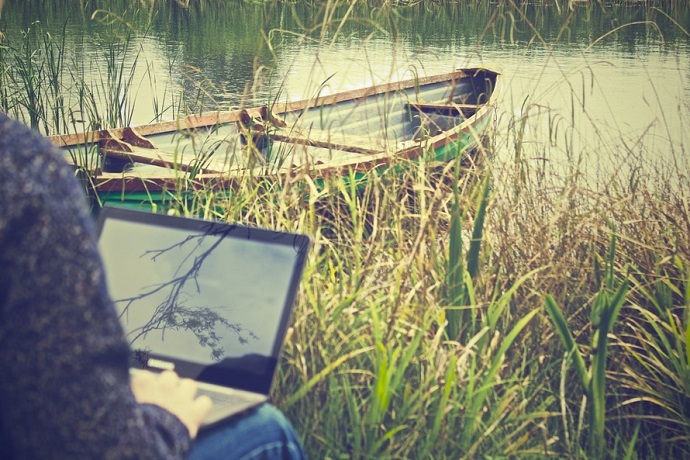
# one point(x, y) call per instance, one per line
point(187, 387)
point(142, 377)
point(203, 404)
point(199, 409)
point(168, 379)
point(172, 375)
point(142, 380)
point(144, 374)
point(202, 407)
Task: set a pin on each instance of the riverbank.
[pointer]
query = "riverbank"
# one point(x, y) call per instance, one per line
point(371, 371)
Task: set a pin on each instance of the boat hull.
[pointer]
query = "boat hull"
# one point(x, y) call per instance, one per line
point(436, 118)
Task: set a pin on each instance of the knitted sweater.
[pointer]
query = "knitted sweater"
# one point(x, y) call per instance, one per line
point(64, 381)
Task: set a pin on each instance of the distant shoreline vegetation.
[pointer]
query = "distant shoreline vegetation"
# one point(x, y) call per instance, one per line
point(46, 82)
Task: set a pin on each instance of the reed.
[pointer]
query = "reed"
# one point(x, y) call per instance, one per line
point(605, 309)
point(32, 78)
point(30, 74)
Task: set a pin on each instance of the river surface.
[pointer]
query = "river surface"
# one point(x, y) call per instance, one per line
point(602, 91)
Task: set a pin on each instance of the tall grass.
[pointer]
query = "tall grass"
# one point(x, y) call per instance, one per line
point(46, 85)
point(605, 310)
point(370, 370)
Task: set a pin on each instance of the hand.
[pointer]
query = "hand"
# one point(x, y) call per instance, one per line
point(177, 396)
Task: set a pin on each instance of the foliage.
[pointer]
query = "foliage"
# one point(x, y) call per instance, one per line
point(605, 309)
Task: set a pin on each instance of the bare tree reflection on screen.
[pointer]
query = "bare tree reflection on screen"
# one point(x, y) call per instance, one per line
point(174, 312)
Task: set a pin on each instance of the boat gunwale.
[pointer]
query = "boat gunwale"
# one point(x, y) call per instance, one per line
point(223, 117)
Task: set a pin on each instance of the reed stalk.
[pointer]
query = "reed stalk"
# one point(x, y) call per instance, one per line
point(461, 271)
point(605, 309)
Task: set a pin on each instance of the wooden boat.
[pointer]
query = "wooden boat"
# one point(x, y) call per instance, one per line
point(436, 117)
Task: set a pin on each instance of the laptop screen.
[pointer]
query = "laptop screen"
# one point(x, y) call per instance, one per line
point(210, 300)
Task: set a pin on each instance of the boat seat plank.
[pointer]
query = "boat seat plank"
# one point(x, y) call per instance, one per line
point(296, 155)
point(330, 141)
point(444, 108)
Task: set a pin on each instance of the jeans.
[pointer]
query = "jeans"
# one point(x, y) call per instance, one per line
point(262, 433)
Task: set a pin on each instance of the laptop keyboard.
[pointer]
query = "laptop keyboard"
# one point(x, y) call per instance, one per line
point(223, 398)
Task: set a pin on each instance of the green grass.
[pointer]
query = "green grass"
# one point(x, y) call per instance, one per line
point(370, 369)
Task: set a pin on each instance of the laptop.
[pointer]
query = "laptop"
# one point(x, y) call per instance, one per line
point(211, 301)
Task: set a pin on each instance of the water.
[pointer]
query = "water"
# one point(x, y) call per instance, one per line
point(596, 101)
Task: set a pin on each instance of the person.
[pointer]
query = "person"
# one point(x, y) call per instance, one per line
point(65, 387)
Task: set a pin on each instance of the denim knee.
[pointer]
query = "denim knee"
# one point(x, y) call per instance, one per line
point(263, 433)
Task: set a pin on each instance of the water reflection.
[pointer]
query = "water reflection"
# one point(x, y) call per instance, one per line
point(590, 106)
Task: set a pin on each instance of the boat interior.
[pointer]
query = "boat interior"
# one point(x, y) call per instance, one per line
point(319, 131)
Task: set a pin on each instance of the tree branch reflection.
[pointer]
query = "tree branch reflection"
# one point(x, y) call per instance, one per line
point(174, 312)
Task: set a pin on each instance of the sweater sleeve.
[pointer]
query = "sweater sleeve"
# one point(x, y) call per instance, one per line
point(64, 383)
